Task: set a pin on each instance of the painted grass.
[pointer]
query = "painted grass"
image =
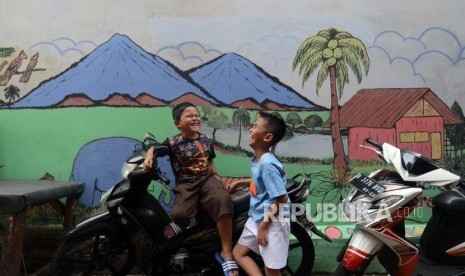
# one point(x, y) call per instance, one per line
point(36, 141)
point(33, 141)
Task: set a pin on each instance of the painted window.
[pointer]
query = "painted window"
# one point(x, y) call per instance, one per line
point(407, 137)
point(421, 137)
point(411, 137)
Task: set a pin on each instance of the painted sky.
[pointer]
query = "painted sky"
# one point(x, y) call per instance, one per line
point(415, 43)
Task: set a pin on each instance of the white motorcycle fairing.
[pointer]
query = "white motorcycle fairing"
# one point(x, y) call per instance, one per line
point(438, 177)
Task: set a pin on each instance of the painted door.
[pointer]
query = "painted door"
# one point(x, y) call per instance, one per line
point(436, 149)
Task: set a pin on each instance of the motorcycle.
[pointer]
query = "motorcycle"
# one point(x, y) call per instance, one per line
point(379, 204)
point(129, 236)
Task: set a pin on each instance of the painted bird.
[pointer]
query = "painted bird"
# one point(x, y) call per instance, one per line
point(12, 68)
point(32, 63)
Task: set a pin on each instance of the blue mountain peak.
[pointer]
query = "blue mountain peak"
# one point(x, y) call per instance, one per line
point(116, 66)
point(232, 77)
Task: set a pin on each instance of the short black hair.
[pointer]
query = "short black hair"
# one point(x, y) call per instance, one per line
point(179, 109)
point(275, 125)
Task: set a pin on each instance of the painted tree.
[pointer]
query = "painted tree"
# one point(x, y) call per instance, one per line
point(241, 118)
point(455, 133)
point(293, 119)
point(217, 120)
point(289, 133)
point(207, 109)
point(335, 51)
point(11, 93)
point(313, 121)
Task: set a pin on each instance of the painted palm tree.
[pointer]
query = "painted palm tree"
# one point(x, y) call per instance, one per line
point(241, 118)
point(336, 51)
point(11, 93)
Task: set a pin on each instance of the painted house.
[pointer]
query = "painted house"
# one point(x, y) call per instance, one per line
point(410, 118)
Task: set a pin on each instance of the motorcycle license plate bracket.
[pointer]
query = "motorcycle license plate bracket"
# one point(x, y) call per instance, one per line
point(367, 185)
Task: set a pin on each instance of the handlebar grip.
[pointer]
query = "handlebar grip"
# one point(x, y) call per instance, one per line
point(374, 143)
point(160, 176)
point(163, 178)
point(136, 173)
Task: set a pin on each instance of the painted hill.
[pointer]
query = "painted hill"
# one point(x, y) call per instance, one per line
point(234, 79)
point(121, 73)
point(117, 67)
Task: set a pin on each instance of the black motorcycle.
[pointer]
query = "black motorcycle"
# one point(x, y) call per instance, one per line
point(129, 236)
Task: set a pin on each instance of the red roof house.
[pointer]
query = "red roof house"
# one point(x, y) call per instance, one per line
point(410, 118)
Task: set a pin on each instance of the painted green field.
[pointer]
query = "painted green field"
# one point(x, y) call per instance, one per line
point(35, 141)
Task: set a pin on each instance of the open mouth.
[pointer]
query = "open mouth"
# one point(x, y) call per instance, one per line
point(251, 139)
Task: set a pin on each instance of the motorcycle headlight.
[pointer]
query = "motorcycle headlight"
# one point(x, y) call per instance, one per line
point(130, 165)
point(385, 202)
point(355, 209)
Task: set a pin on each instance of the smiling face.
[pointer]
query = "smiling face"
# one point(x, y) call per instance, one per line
point(259, 135)
point(189, 123)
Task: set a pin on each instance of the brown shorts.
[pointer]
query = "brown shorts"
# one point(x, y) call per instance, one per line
point(209, 193)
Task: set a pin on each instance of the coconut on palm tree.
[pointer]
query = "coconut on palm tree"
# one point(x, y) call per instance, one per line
point(333, 51)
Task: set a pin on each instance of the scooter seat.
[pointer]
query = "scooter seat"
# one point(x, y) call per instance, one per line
point(451, 202)
point(290, 184)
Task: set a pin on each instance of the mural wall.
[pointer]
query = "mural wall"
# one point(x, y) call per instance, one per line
point(81, 82)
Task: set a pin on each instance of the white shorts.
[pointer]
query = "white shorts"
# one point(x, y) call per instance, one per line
point(274, 254)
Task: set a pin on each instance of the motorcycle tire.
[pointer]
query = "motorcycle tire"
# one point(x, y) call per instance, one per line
point(301, 256)
point(84, 255)
point(342, 271)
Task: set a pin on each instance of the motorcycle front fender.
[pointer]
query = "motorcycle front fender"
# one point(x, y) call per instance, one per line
point(90, 224)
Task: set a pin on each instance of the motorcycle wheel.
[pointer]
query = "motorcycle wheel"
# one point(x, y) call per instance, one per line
point(301, 255)
point(84, 255)
point(301, 252)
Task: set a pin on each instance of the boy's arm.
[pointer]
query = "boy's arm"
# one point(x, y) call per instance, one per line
point(239, 182)
point(213, 167)
point(274, 208)
point(273, 212)
point(213, 170)
point(148, 162)
point(158, 150)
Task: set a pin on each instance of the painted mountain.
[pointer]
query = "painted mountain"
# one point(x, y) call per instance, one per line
point(118, 72)
point(121, 73)
point(236, 81)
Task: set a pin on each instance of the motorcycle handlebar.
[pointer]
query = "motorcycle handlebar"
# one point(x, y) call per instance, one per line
point(374, 143)
point(160, 176)
point(154, 173)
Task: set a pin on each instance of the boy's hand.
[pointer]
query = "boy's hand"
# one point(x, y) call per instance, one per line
point(148, 162)
point(262, 235)
point(231, 185)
